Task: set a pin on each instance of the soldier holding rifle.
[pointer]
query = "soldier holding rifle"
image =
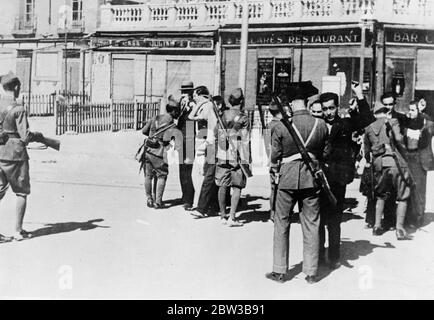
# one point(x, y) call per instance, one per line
point(159, 134)
point(298, 145)
point(383, 139)
point(232, 171)
point(14, 159)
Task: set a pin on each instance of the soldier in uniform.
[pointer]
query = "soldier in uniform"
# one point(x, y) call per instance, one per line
point(296, 182)
point(391, 172)
point(316, 109)
point(228, 172)
point(277, 116)
point(156, 164)
point(14, 160)
point(339, 156)
point(187, 152)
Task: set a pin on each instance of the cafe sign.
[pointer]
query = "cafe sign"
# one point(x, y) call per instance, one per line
point(154, 43)
point(296, 37)
point(410, 36)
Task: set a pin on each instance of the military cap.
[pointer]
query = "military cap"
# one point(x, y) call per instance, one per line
point(379, 107)
point(236, 97)
point(186, 85)
point(273, 107)
point(301, 90)
point(8, 78)
point(172, 102)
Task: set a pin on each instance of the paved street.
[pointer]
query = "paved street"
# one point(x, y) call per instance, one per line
point(94, 238)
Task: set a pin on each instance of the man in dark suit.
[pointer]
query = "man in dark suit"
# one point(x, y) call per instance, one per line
point(187, 153)
point(339, 155)
point(297, 183)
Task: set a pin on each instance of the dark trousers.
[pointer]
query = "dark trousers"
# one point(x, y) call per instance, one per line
point(155, 180)
point(389, 212)
point(332, 217)
point(209, 190)
point(187, 186)
point(309, 220)
point(417, 201)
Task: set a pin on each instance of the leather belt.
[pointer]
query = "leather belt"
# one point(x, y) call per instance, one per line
point(295, 157)
point(13, 135)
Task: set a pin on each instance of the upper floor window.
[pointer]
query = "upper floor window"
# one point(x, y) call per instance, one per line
point(77, 10)
point(29, 10)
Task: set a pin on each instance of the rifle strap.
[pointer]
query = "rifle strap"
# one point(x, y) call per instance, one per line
point(305, 143)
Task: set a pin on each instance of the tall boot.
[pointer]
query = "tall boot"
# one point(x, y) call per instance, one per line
point(401, 210)
point(379, 209)
point(161, 184)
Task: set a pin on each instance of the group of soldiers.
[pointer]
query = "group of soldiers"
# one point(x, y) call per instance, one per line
point(397, 150)
point(204, 131)
point(312, 153)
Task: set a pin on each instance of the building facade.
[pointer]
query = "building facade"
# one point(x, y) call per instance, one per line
point(34, 35)
point(385, 44)
point(127, 50)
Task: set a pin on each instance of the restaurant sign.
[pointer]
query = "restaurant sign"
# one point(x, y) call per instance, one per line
point(296, 37)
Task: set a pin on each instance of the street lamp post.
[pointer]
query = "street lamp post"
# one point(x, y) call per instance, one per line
point(243, 47)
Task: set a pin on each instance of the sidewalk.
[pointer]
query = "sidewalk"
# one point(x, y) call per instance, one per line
point(94, 238)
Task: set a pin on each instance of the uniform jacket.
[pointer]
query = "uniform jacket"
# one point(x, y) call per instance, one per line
point(424, 148)
point(296, 175)
point(268, 134)
point(340, 151)
point(13, 120)
point(377, 142)
point(238, 129)
point(164, 138)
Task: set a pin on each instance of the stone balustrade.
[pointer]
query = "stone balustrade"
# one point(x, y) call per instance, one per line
point(210, 13)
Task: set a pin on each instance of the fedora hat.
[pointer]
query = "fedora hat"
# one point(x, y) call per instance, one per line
point(187, 85)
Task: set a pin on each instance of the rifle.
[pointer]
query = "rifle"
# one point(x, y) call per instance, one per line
point(276, 187)
point(47, 142)
point(52, 143)
point(156, 133)
point(313, 168)
point(244, 167)
point(411, 181)
point(371, 173)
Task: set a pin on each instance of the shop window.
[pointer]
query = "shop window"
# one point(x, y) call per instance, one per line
point(123, 79)
point(348, 68)
point(399, 80)
point(46, 66)
point(177, 72)
point(274, 76)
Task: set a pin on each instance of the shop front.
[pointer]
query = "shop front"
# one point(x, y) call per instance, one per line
point(151, 66)
point(329, 56)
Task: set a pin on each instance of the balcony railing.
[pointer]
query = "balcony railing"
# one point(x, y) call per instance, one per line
point(25, 24)
point(214, 13)
point(77, 26)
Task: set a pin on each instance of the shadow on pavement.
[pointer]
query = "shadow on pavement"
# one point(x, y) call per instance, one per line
point(63, 227)
point(350, 204)
point(428, 218)
point(254, 216)
point(353, 250)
